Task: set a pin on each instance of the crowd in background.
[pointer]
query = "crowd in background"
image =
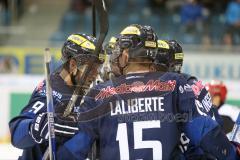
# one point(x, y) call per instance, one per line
point(190, 21)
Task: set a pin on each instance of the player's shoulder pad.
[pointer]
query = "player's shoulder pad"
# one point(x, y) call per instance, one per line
point(189, 77)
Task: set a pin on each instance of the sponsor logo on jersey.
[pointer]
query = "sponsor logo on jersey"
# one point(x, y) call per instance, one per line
point(181, 89)
point(201, 110)
point(136, 105)
point(207, 102)
point(57, 94)
point(197, 88)
point(186, 88)
point(136, 87)
point(40, 86)
point(42, 91)
point(204, 107)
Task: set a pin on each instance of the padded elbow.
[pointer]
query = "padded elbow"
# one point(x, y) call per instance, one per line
point(217, 144)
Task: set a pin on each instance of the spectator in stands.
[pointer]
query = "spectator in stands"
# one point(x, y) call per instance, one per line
point(158, 6)
point(4, 12)
point(215, 7)
point(192, 20)
point(232, 35)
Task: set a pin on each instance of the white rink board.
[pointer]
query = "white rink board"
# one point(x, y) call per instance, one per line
point(212, 66)
point(8, 152)
point(13, 83)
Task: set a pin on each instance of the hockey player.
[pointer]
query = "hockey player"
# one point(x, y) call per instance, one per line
point(229, 113)
point(171, 57)
point(29, 130)
point(133, 115)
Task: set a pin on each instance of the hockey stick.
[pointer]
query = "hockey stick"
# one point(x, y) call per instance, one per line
point(50, 109)
point(93, 19)
point(103, 21)
point(235, 134)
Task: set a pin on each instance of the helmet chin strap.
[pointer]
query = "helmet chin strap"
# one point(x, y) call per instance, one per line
point(122, 68)
point(123, 62)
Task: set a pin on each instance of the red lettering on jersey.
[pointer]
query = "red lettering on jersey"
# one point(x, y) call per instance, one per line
point(151, 85)
point(137, 87)
point(197, 88)
point(40, 86)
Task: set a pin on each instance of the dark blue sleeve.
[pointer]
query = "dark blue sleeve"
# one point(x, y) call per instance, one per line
point(198, 124)
point(217, 116)
point(216, 143)
point(76, 148)
point(201, 129)
point(203, 97)
point(198, 127)
point(20, 137)
point(19, 125)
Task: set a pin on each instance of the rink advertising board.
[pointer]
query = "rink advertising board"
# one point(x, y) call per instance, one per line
point(17, 88)
point(213, 66)
point(202, 65)
point(24, 60)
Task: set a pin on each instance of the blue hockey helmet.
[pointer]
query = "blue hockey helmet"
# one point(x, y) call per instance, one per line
point(81, 47)
point(141, 41)
point(170, 55)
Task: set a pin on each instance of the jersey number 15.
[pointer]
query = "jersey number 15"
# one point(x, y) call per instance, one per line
point(138, 127)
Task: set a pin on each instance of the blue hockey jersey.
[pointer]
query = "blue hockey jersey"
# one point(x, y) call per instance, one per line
point(205, 108)
point(203, 97)
point(140, 116)
point(19, 125)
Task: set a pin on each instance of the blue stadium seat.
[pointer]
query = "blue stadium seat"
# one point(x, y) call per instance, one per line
point(57, 38)
point(120, 7)
point(154, 20)
point(115, 23)
point(70, 22)
point(133, 18)
point(216, 29)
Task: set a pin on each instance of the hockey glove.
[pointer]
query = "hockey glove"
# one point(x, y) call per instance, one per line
point(62, 127)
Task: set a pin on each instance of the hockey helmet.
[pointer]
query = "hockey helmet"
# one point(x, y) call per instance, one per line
point(170, 55)
point(110, 45)
point(216, 87)
point(81, 47)
point(141, 41)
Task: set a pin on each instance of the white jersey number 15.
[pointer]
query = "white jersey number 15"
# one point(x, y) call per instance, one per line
point(138, 127)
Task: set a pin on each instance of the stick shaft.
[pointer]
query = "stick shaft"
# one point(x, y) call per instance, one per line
point(236, 130)
point(50, 109)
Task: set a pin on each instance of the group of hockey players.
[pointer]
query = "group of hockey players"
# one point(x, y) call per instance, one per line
point(144, 108)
